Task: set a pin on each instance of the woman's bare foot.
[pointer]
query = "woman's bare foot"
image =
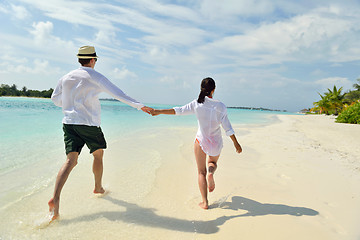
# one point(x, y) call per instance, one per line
point(204, 205)
point(211, 182)
point(53, 209)
point(99, 191)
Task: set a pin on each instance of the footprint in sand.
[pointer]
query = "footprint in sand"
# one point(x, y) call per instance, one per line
point(340, 230)
point(283, 176)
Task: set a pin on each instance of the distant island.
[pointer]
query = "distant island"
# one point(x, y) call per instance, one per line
point(259, 109)
point(247, 108)
point(6, 90)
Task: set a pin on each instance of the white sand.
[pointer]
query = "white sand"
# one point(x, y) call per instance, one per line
point(298, 178)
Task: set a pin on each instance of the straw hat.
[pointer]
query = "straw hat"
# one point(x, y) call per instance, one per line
point(87, 52)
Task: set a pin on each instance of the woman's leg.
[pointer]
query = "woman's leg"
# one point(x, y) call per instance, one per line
point(200, 157)
point(212, 166)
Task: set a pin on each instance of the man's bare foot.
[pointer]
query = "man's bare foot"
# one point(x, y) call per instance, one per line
point(211, 182)
point(99, 191)
point(53, 209)
point(204, 205)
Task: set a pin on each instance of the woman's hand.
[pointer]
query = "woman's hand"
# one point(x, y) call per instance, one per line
point(155, 112)
point(236, 144)
point(237, 147)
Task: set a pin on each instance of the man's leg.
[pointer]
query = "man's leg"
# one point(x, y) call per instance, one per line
point(98, 170)
point(212, 165)
point(61, 178)
point(201, 165)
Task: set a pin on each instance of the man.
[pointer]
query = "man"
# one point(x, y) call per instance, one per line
point(78, 94)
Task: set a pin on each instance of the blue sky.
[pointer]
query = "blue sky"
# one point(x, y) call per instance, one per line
point(276, 54)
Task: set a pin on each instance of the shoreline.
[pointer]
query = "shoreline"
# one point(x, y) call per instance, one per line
point(297, 178)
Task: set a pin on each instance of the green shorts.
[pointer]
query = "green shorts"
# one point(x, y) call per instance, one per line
point(76, 136)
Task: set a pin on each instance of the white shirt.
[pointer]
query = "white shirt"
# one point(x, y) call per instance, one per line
point(78, 94)
point(210, 114)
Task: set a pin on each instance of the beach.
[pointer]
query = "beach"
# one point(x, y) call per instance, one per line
point(297, 178)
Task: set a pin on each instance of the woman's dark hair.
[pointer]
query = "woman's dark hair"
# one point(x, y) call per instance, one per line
point(207, 85)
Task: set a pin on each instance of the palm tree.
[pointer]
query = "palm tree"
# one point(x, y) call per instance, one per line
point(324, 104)
point(353, 95)
point(336, 99)
point(357, 86)
point(331, 101)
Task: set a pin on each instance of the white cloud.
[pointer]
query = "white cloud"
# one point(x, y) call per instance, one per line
point(167, 79)
point(123, 74)
point(337, 81)
point(317, 72)
point(23, 66)
point(15, 60)
point(171, 11)
point(48, 45)
point(156, 30)
point(148, 18)
point(74, 12)
point(157, 53)
point(105, 37)
point(3, 9)
point(222, 9)
point(42, 32)
point(20, 12)
point(33, 73)
point(317, 35)
point(246, 44)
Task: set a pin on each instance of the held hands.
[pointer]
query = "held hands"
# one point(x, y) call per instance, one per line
point(155, 112)
point(148, 110)
point(151, 111)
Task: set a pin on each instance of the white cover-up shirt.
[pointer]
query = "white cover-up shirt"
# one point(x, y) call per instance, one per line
point(210, 114)
point(78, 94)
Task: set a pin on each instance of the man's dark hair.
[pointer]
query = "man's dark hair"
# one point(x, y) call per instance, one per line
point(84, 61)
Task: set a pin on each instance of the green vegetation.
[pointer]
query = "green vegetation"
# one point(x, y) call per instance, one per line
point(345, 105)
point(331, 102)
point(6, 90)
point(350, 114)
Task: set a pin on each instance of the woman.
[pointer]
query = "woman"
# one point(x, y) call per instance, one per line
point(210, 114)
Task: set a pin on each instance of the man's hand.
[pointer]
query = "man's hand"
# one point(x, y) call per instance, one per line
point(146, 109)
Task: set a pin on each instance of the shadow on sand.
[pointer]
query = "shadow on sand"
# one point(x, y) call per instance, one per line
point(147, 216)
point(255, 208)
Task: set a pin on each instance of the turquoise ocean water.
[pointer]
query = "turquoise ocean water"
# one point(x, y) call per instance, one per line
point(31, 143)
